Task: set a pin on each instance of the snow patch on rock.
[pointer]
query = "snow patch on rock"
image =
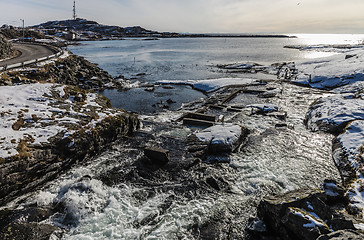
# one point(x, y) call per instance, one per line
point(36, 112)
point(226, 134)
point(329, 113)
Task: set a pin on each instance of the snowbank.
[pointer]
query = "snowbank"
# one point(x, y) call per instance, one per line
point(334, 112)
point(332, 72)
point(352, 144)
point(211, 85)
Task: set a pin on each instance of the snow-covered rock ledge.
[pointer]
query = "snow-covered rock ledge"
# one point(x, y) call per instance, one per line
point(341, 112)
point(47, 127)
point(348, 153)
point(332, 72)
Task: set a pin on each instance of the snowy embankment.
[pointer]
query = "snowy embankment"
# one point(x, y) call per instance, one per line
point(34, 113)
point(340, 112)
point(332, 72)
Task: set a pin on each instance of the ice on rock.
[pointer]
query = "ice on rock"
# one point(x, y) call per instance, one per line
point(221, 137)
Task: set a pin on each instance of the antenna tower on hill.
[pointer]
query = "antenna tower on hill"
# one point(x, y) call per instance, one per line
point(74, 10)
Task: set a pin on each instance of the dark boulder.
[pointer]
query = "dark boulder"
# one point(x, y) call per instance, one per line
point(342, 235)
point(303, 225)
point(304, 213)
point(24, 224)
point(6, 49)
point(157, 155)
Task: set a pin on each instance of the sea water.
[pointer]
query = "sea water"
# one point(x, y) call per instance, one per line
point(274, 161)
point(146, 62)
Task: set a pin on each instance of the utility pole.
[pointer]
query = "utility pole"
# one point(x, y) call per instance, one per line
point(74, 10)
point(23, 29)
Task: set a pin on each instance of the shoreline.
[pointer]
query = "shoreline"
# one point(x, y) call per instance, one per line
point(310, 196)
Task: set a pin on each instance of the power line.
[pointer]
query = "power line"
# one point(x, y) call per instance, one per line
point(74, 10)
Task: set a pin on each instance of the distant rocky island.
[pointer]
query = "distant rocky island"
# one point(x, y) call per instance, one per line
point(83, 29)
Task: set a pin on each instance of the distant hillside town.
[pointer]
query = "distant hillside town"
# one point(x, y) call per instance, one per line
point(79, 30)
point(82, 29)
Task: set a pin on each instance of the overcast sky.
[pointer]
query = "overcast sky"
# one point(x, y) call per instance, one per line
point(199, 16)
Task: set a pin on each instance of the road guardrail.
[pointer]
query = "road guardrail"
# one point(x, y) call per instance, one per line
point(26, 63)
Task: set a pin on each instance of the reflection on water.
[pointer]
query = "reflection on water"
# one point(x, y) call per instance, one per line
point(153, 99)
point(330, 39)
point(196, 58)
point(314, 54)
point(184, 58)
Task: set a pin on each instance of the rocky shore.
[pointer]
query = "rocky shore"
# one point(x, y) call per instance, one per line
point(336, 210)
point(68, 70)
point(53, 120)
point(6, 49)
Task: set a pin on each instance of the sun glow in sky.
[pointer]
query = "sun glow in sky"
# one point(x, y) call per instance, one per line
point(199, 16)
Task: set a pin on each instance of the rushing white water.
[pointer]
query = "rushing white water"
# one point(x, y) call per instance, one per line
point(273, 161)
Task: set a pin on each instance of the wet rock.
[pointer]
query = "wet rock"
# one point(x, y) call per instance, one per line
point(334, 192)
point(24, 224)
point(305, 213)
point(347, 172)
point(167, 87)
point(342, 235)
point(281, 125)
point(270, 93)
point(28, 231)
point(256, 225)
point(278, 214)
point(197, 122)
point(40, 163)
point(303, 225)
point(347, 56)
point(170, 101)
point(149, 89)
point(157, 155)
point(234, 109)
point(213, 183)
point(199, 116)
